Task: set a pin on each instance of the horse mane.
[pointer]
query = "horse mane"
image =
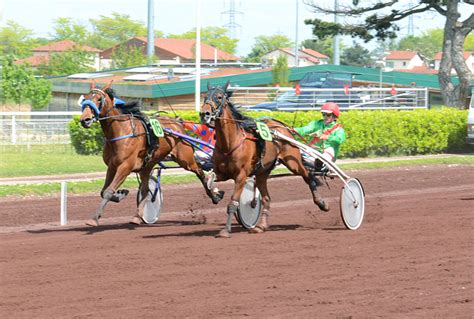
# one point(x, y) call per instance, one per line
point(237, 115)
point(132, 107)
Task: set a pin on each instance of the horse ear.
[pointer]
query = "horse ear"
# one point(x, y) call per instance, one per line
point(226, 86)
point(108, 85)
point(209, 85)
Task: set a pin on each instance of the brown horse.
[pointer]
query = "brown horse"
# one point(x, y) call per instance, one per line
point(236, 155)
point(126, 149)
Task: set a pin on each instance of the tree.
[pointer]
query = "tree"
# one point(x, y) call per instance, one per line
point(19, 84)
point(428, 44)
point(66, 29)
point(127, 56)
point(280, 72)
point(322, 46)
point(357, 55)
point(109, 31)
point(16, 40)
point(380, 22)
point(264, 44)
point(214, 36)
point(72, 61)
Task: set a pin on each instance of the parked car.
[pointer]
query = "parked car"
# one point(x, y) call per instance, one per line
point(310, 99)
point(470, 122)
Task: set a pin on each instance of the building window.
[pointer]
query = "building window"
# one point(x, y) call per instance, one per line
point(404, 63)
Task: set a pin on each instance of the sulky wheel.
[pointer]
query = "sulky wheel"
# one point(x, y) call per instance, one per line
point(153, 201)
point(250, 205)
point(352, 203)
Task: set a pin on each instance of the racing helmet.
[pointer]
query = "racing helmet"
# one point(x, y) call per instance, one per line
point(331, 107)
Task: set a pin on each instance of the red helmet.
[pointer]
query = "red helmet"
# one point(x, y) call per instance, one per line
point(331, 107)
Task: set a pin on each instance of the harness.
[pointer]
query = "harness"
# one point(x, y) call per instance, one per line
point(151, 139)
point(246, 125)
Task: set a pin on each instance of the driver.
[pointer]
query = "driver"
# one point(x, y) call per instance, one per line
point(206, 134)
point(326, 135)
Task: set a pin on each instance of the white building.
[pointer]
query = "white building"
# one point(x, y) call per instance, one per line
point(305, 57)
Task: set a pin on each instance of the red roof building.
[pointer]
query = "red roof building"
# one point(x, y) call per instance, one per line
point(178, 50)
point(468, 57)
point(403, 60)
point(42, 53)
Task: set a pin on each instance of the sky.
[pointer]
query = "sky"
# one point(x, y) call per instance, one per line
point(257, 17)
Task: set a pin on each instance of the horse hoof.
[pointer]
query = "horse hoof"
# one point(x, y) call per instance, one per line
point(323, 206)
point(258, 230)
point(92, 222)
point(224, 233)
point(217, 197)
point(135, 220)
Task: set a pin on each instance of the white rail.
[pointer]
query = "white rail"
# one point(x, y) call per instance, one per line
point(28, 128)
point(361, 98)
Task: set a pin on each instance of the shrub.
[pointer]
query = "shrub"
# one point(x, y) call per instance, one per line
point(369, 133)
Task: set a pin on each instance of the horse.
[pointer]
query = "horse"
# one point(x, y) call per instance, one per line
point(126, 148)
point(236, 155)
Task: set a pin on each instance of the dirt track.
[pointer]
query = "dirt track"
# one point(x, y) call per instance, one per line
point(412, 257)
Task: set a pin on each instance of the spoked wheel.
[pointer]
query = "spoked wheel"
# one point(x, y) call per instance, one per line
point(153, 201)
point(352, 204)
point(250, 205)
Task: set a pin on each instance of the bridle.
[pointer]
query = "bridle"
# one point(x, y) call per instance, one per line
point(216, 103)
point(89, 103)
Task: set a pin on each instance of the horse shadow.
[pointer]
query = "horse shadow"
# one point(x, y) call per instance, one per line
point(236, 229)
point(212, 233)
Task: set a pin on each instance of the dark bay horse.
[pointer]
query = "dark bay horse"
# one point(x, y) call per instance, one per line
point(126, 148)
point(236, 154)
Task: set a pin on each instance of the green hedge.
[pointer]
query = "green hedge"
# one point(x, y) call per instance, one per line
point(370, 133)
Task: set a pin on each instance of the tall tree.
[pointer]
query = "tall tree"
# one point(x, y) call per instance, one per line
point(118, 28)
point(66, 29)
point(127, 56)
point(357, 55)
point(428, 44)
point(214, 36)
point(264, 44)
point(19, 84)
point(280, 72)
point(16, 40)
point(323, 46)
point(72, 61)
point(380, 22)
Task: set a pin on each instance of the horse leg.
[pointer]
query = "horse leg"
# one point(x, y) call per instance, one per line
point(144, 189)
point(298, 168)
point(213, 192)
point(233, 205)
point(108, 192)
point(261, 181)
point(109, 176)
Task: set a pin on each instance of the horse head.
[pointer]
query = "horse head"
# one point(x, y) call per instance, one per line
point(214, 102)
point(95, 104)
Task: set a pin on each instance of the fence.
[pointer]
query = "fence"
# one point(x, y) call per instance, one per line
point(288, 99)
point(27, 128)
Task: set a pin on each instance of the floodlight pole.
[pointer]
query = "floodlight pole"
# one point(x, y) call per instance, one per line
point(336, 37)
point(150, 49)
point(297, 58)
point(197, 93)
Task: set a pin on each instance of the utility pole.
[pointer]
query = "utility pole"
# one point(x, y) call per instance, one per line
point(232, 25)
point(150, 49)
